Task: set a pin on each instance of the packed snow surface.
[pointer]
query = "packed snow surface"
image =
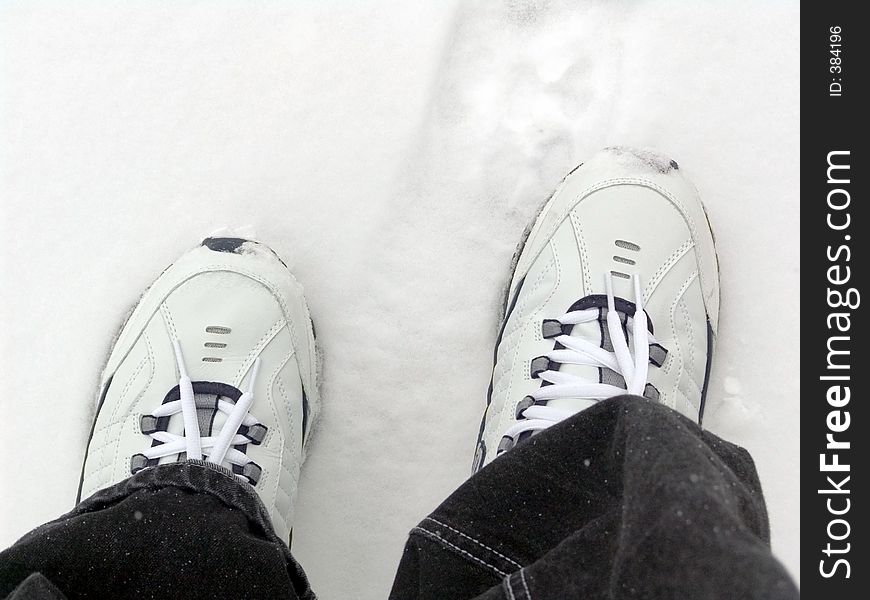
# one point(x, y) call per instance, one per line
point(393, 152)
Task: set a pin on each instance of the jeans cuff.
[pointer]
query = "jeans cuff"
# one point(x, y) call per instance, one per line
point(201, 477)
point(195, 476)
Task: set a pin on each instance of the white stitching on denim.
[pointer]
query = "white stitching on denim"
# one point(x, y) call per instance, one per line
point(506, 582)
point(428, 533)
point(478, 542)
point(525, 585)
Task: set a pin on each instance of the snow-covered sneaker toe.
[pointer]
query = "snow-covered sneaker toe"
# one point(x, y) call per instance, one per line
point(216, 363)
point(615, 290)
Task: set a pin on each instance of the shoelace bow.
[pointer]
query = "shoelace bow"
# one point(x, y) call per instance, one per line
point(579, 351)
point(218, 447)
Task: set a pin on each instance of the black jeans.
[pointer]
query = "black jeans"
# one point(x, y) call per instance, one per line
point(627, 499)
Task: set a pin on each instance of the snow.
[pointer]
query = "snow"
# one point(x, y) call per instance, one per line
point(393, 152)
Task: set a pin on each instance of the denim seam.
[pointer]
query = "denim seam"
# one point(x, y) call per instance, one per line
point(441, 540)
point(525, 584)
point(478, 542)
point(519, 593)
point(506, 583)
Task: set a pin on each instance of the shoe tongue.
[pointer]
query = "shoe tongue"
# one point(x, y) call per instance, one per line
point(210, 419)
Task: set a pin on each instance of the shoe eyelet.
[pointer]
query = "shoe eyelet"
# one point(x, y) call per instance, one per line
point(522, 405)
point(551, 328)
point(538, 366)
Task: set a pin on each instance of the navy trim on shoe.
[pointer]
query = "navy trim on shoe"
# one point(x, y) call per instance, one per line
point(480, 450)
point(224, 244)
point(103, 394)
point(706, 373)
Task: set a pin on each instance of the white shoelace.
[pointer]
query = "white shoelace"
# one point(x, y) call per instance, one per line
point(578, 351)
point(218, 447)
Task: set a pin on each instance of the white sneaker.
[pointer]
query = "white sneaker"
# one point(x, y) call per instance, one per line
point(623, 230)
point(216, 362)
